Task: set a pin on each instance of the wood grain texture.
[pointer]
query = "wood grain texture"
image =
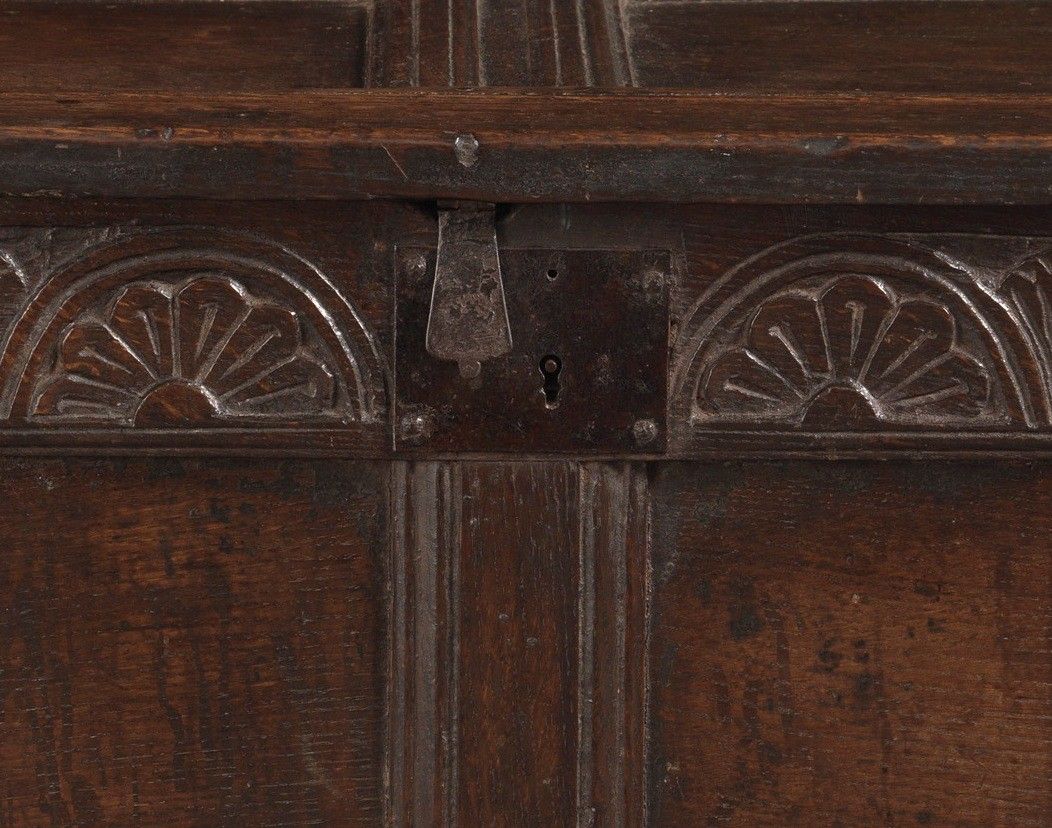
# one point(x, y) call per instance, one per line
point(426, 505)
point(849, 45)
point(890, 102)
point(851, 644)
point(518, 656)
point(976, 46)
point(189, 643)
point(211, 225)
point(534, 146)
point(615, 558)
point(497, 43)
point(202, 45)
point(899, 46)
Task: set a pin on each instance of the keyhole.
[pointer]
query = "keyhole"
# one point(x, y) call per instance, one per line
point(551, 367)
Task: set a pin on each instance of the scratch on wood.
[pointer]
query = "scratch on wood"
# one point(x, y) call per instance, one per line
point(395, 162)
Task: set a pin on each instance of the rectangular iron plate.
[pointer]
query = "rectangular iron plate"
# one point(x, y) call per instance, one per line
point(603, 314)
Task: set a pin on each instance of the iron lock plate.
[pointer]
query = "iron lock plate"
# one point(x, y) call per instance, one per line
point(586, 370)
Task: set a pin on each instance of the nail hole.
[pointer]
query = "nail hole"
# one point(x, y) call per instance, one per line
point(553, 274)
point(551, 366)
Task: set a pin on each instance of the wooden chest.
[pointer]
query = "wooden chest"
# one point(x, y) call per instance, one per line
point(525, 413)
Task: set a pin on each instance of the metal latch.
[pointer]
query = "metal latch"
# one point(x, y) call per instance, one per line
point(468, 321)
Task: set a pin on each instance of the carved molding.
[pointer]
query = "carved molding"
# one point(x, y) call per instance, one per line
point(496, 43)
point(851, 348)
point(1025, 290)
point(204, 345)
point(189, 327)
point(122, 327)
point(31, 255)
point(849, 332)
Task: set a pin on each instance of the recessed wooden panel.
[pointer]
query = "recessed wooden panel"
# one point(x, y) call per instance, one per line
point(191, 643)
point(902, 46)
point(851, 644)
point(196, 45)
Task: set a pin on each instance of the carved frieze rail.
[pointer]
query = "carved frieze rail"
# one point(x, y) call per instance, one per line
point(200, 337)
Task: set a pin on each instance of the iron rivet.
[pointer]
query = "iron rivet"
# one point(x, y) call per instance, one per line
point(470, 369)
point(645, 432)
point(416, 427)
point(654, 280)
point(416, 265)
point(466, 148)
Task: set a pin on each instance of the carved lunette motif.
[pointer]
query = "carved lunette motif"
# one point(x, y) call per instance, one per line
point(1025, 291)
point(185, 327)
point(849, 332)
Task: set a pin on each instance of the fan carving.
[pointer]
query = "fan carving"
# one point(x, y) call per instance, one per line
point(849, 350)
point(200, 350)
point(1028, 290)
